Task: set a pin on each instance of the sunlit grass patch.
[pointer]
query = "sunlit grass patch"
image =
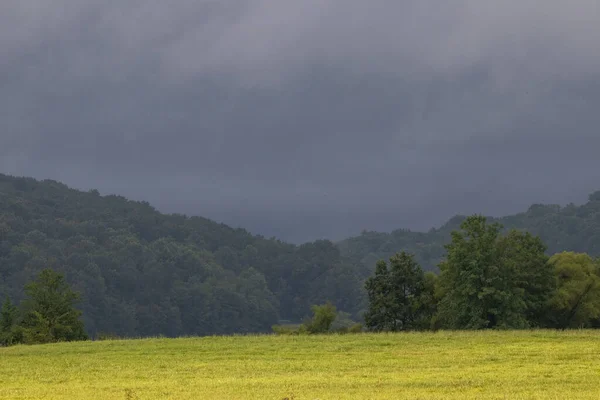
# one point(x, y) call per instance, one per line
point(443, 365)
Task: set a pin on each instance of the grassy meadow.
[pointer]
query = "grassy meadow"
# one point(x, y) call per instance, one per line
point(443, 365)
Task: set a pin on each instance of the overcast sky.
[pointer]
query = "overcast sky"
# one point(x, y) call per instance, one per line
point(306, 119)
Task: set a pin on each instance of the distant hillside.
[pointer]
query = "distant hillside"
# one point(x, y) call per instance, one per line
point(145, 273)
point(569, 228)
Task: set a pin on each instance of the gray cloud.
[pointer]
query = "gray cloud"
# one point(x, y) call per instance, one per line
point(306, 119)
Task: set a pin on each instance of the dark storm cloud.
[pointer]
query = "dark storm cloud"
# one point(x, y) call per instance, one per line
point(306, 119)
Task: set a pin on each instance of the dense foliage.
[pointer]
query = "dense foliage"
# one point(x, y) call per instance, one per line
point(143, 273)
point(10, 333)
point(576, 301)
point(487, 281)
point(398, 296)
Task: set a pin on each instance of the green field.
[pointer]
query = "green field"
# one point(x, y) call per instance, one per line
point(480, 365)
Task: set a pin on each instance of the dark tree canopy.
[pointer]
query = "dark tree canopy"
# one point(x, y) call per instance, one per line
point(396, 296)
point(9, 330)
point(576, 302)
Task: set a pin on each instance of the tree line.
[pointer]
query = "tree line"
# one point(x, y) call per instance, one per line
point(487, 280)
point(140, 272)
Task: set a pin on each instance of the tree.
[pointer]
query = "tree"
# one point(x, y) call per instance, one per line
point(576, 301)
point(8, 315)
point(491, 281)
point(428, 302)
point(528, 275)
point(49, 313)
point(9, 332)
point(323, 317)
point(395, 295)
point(379, 315)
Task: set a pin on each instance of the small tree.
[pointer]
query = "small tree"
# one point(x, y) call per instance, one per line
point(49, 314)
point(323, 317)
point(396, 295)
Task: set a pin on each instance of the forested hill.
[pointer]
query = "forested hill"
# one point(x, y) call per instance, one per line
point(144, 273)
point(569, 228)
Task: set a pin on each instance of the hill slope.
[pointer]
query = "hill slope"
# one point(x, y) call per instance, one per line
point(569, 228)
point(141, 272)
point(144, 273)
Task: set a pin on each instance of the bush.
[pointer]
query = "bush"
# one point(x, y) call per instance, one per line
point(285, 329)
point(323, 317)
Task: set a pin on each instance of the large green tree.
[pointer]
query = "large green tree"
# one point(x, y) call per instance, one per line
point(49, 313)
point(395, 295)
point(576, 301)
point(492, 281)
point(527, 274)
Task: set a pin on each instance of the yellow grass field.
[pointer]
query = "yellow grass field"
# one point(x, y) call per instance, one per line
point(443, 365)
